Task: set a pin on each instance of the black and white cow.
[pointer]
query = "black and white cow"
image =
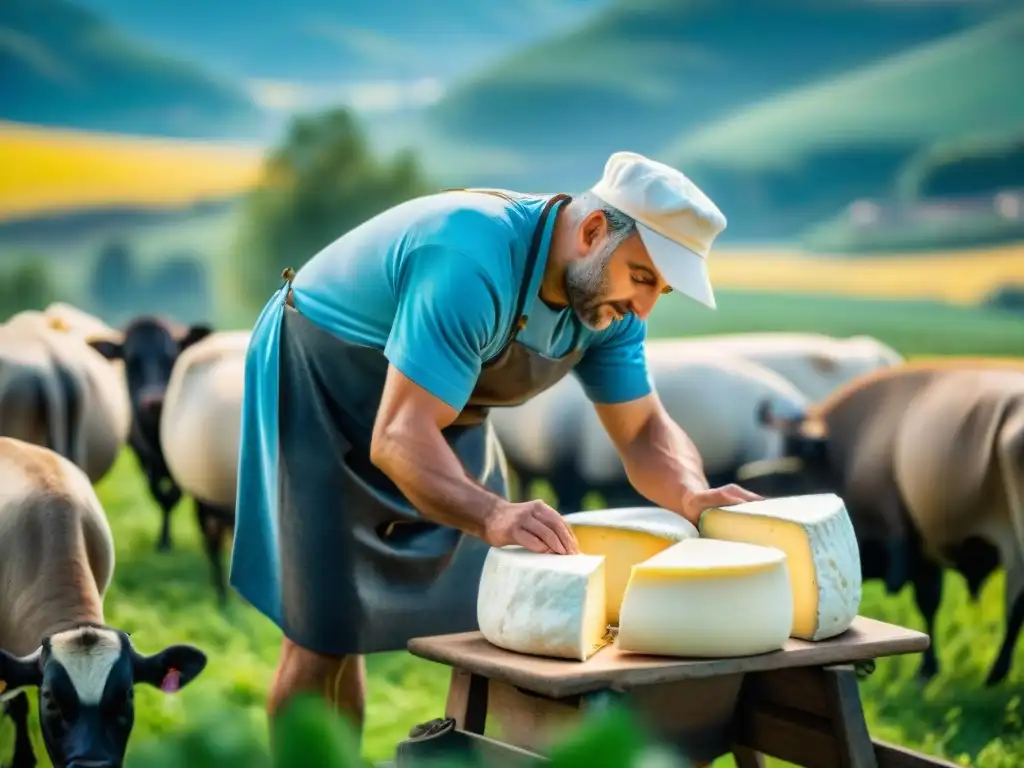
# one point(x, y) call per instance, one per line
point(56, 562)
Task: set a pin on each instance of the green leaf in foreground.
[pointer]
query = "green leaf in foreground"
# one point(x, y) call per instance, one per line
point(308, 733)
point(611, 737)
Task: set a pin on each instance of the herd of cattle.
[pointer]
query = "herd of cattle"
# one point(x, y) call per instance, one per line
point(928, 456)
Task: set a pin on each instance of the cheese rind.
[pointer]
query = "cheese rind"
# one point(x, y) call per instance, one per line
point(543, 604)
point(625, 537)
point(708, 599)
point(821, 550)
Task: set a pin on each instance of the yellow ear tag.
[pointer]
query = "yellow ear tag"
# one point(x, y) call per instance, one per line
point(3, 686)
point(58, 324)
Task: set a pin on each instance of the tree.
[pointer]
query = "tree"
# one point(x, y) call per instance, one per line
point(115, 278)
point(179, 287)
point(25, 286)
point(320, 183)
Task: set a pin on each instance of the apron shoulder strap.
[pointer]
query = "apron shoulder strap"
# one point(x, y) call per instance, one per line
point(533, 255)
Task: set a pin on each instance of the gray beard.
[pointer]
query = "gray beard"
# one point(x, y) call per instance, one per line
point(586, 284)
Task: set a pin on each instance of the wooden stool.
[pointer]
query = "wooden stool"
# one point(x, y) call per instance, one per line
point(800, 704)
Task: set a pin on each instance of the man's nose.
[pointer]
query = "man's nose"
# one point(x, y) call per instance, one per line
point(642, 305)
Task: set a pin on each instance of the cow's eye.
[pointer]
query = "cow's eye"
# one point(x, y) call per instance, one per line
point(52, 705)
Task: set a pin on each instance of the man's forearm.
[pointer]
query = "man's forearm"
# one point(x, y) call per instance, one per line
point(663, 464)
point(423, 466)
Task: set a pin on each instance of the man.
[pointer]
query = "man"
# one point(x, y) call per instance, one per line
point(366, 454)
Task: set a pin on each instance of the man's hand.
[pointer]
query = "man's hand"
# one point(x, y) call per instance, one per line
point(532, 525)
point(695, 502)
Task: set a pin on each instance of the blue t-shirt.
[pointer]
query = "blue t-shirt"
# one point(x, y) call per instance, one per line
point(434, 283)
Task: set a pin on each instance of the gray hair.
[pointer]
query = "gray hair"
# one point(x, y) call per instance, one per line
point(620, 226)
point(586, 280)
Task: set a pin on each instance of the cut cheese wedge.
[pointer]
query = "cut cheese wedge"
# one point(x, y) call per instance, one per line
point(543, 604)
point(821, 550)
point(706, 598)
point(625, 537)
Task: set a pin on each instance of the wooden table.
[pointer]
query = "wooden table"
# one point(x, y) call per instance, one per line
point(800, 704)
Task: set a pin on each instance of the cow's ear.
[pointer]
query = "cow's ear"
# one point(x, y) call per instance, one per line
point(19, 672)
point(112, 350)
point(196, 332)
point(171, 669)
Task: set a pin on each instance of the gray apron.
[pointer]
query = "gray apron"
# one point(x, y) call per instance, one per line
point(361, 570)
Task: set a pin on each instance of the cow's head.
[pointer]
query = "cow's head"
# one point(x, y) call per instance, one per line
point(149, 347)
point(86, 678)
point(804, 466)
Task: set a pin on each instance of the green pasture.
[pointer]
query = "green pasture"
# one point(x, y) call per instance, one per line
point(167, 598)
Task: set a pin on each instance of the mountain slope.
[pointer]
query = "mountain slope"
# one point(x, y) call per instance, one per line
point(807, 153)
point(66, 66)
point(326, 41)
point(641, 72)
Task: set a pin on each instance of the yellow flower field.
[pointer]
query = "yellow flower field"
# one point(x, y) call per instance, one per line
point(960, 277)
point(47, 169)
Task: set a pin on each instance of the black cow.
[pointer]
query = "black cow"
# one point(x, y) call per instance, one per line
point(149, 348)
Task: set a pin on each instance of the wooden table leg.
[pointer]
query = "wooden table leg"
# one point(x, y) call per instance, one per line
point(809, 716)
point(467, 701)
point(851, 731)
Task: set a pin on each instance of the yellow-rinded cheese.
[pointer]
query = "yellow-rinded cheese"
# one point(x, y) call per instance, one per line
point(708, 598)
point(821, 550)
point(543, 604)
point(625, 537)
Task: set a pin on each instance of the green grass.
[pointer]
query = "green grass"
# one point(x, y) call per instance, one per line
point(166, 598)
point(911, 327)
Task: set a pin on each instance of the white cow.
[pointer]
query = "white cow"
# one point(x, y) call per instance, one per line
point(817, 364)
point(200, 426)
point(113, 386)
point(57, 392)
point(715, 401)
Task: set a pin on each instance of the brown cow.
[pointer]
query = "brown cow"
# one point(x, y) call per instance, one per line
point(929, 458)
point(56, 562)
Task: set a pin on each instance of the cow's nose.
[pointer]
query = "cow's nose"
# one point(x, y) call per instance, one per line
point(151, 399)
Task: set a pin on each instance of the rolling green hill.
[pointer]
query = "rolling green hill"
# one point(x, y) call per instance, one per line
point(641, 72)
point(806, 154)
point(63, 65)
point(332, 42)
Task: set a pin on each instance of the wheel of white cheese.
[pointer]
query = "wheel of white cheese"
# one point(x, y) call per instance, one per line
point(705, 598)
point(625, 537)
point(821, 550)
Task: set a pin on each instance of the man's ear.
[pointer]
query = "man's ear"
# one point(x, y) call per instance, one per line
point(112, 350)
point(196, 332)
point(18, 672)
point(171, 669)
